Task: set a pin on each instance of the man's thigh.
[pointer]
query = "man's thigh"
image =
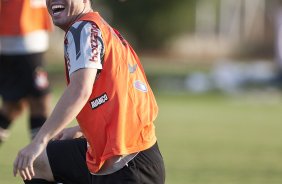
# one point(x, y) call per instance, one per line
point(22, 75)
point(68, 164)
point(67, 160)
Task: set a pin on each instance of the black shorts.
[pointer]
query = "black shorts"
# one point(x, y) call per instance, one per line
point(22, 76)
point(68, 164)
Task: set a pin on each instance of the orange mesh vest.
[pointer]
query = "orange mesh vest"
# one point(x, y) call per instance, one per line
point(119, 117)
point(18, 17)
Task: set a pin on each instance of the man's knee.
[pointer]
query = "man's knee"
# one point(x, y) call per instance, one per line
point(42, 167)
point(12, 110)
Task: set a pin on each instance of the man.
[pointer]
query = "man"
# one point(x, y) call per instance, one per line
point(24, 29)
point(109, 95)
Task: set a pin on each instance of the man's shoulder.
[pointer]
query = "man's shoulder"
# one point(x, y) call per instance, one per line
point(82, 27)
point(84, 24)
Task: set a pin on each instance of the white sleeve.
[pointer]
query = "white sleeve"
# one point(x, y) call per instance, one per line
point(85, 48)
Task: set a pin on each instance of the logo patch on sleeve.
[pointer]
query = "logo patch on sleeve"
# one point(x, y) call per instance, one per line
point(95, 103)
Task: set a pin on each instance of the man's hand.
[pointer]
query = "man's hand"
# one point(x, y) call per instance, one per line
point(25, 159)
point(69, 133)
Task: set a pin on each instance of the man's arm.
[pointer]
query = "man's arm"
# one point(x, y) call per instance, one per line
point(69, 105)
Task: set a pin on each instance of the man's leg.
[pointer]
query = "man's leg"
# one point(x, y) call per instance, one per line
point(37, 181)
point(8, 113)
point(4, 125)
point(43, 172)
point(39, 110)
point(67, 159)
point(38, 94)
point(62, 161)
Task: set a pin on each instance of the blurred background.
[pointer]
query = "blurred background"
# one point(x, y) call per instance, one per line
point(216, 69)
point(200, 46)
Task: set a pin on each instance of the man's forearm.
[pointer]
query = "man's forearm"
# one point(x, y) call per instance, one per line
point(64, 112)
point(70, 104)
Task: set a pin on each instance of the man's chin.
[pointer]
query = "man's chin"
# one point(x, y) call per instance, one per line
point(58, 24)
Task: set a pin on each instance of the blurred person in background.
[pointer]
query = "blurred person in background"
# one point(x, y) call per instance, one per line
point(24, 38)
point(110, 97)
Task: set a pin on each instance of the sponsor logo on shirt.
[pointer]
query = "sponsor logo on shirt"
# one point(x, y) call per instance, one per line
point(140, 86)
point(94, 43)
point(132, 69)
point(95, 103)
point(67, 58)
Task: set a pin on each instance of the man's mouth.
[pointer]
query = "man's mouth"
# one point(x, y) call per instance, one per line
point(57, 9)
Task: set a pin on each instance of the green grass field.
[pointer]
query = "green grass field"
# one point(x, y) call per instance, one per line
point(206, 139)
point(221, 140)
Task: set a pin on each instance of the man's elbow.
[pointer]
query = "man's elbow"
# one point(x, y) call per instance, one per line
point(85, 92)
point(81, 92)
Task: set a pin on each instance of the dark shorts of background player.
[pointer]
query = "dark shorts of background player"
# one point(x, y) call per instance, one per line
point(68, 164)
point(19, 75)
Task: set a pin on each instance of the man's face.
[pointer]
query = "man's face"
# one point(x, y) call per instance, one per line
point(64, 12)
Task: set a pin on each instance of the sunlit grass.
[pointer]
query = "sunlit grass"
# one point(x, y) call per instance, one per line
point(217, 139)
point(206, 139)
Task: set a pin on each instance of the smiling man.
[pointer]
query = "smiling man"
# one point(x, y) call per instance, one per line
point(110, 97)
